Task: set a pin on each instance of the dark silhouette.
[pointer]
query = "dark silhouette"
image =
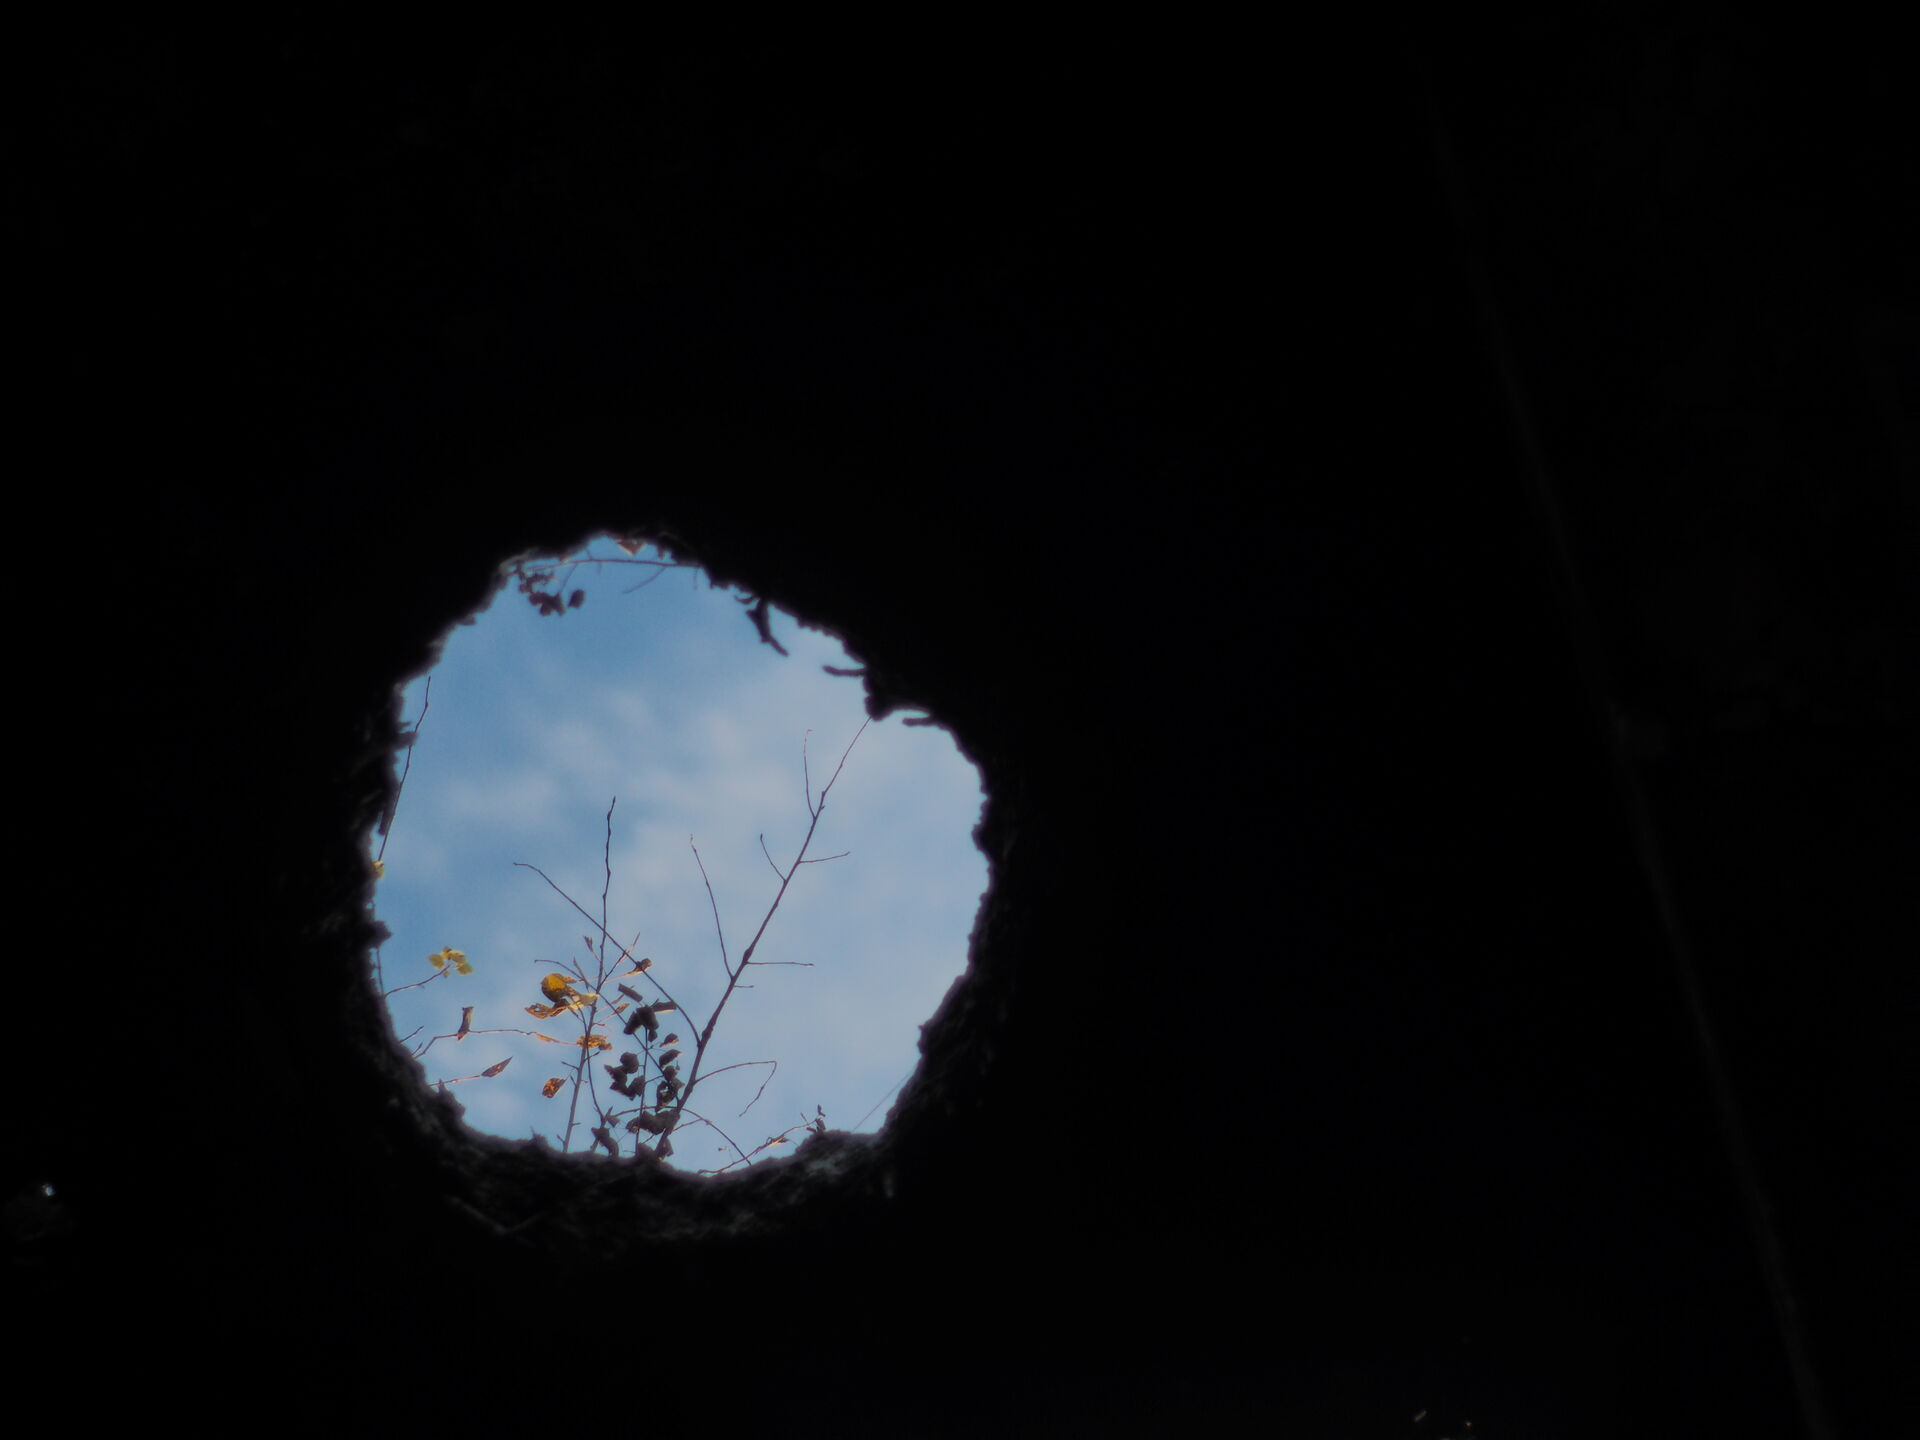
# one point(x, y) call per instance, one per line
point(1416, 530)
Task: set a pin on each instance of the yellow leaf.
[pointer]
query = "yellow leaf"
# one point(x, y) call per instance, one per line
point(552, 1087)
point(379, 869)
point(557, 987)
point(453, 957)
point(594, 1042)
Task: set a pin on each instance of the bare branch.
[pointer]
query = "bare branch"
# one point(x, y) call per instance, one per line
point(770, 1142)
point(724, 963)
point(415, 985)
point(744, 1157)
point(742, 1065)
point(746, 957)
point(763, 851)
point(672, 1094)
point(883, 1099)
point(486, 1074)
point(606, 863)
point(386, 823)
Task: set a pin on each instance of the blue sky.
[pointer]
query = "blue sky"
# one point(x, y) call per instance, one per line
point(666, 698)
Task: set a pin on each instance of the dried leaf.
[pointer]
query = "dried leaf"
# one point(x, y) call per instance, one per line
point(557, 986)
point(493, 1070)
point(594, 1042)
point(552, 1087)
point(466, 1022)
point(379, 869)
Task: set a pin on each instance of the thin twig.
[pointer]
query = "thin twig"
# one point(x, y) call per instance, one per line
point(746, 958)
point(416, 984)
point(763, 851)
point(486, 1074)
point(583, 1072)
point(883, 1099)
point(496, 1030)
point(724, 964)
point(606, 865)
point(768, 1144)
point(744, 1157)
point(744, 1064)
point(386, 825)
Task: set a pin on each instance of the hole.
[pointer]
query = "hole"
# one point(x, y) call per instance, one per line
point(654, 695)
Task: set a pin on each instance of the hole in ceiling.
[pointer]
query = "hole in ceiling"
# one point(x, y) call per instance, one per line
point(607, 715)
